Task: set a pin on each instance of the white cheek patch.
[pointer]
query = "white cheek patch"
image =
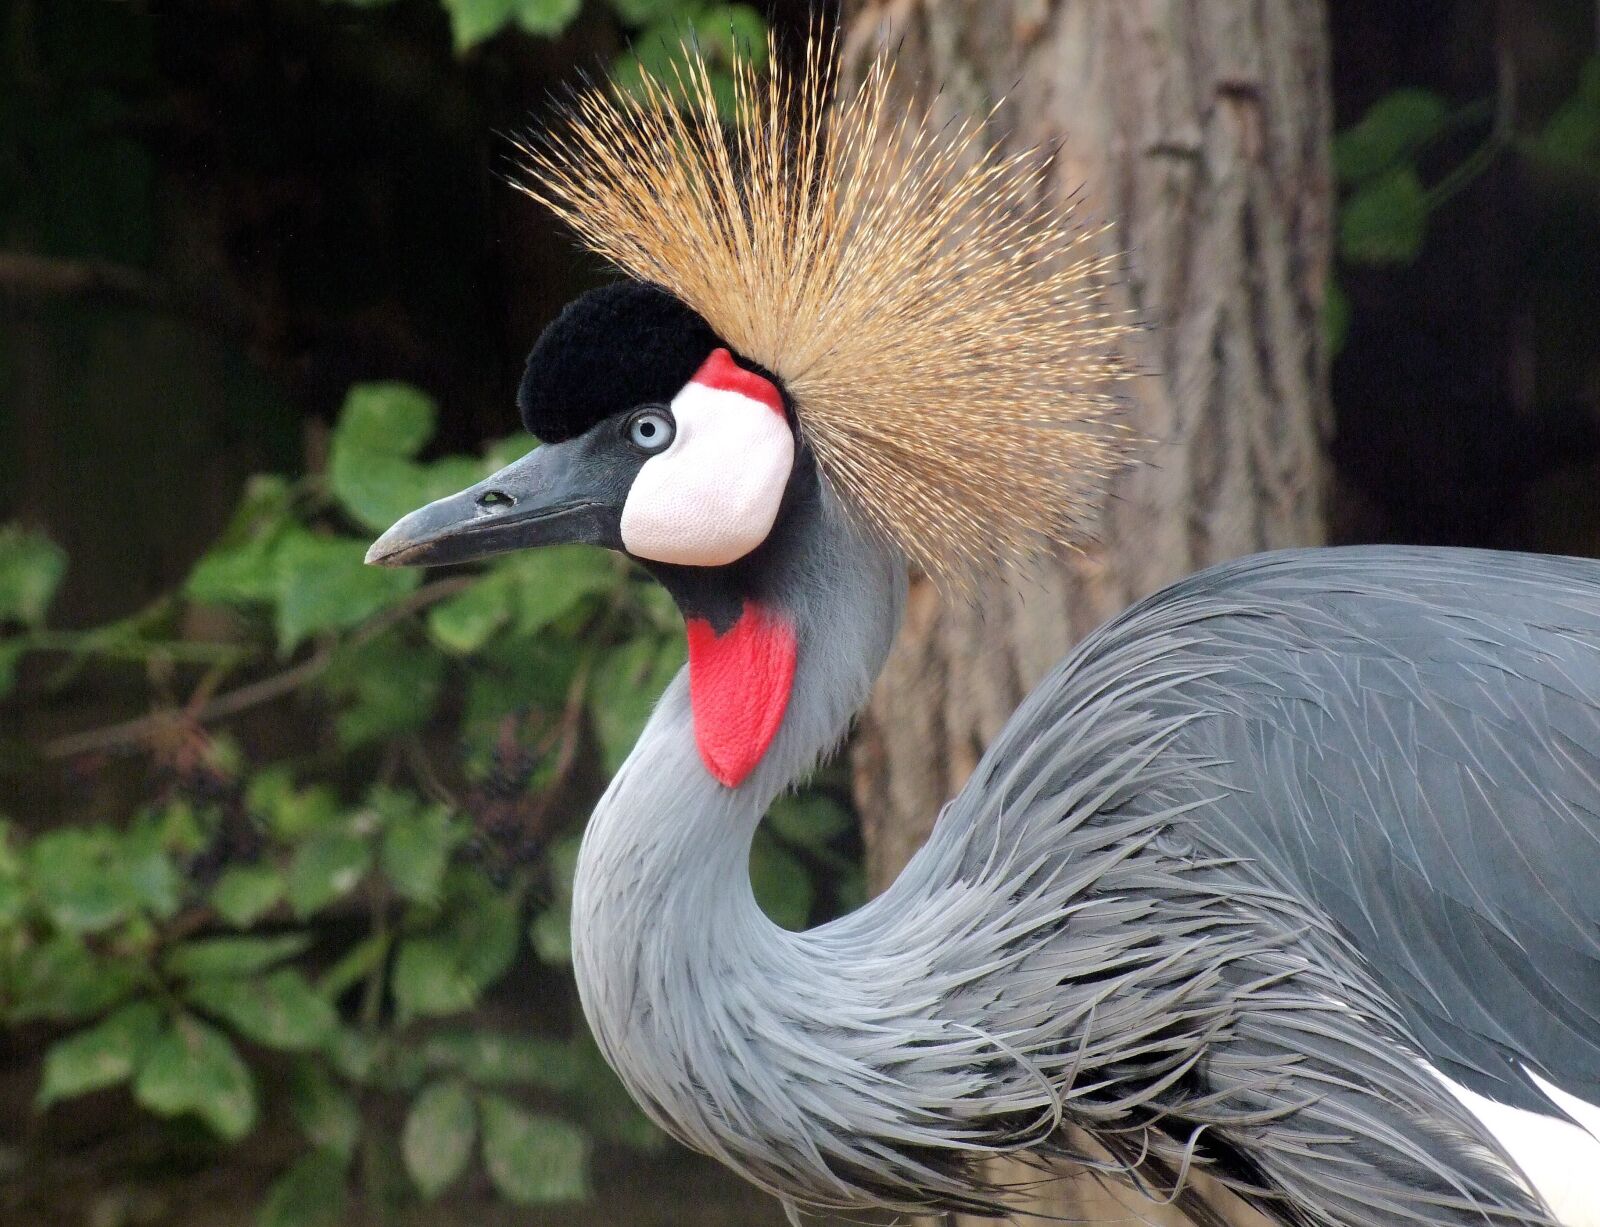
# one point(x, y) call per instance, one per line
point(713, 495)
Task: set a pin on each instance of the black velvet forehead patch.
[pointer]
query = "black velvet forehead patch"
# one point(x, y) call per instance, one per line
point(610, 350)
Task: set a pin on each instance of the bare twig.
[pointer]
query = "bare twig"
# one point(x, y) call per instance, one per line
point(417, 756)
point(1500, 137)
point(566, 733)
point(28, 276)
point(25, 277)
point(253, 694)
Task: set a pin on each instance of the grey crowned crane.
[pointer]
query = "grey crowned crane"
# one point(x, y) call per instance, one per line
point(1290, 874)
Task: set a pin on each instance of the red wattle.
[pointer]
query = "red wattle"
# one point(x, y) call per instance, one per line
point(739, 685)
point(721, 371)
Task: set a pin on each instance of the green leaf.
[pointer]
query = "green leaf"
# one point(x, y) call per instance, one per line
point(429, 979)
point(402, 1070)
point(31, 567)
point(192, 1067)
point(416, 849)
point(547, 584)
point(485, 938)
point(546, 17)
point(355, 965)
point(291, 813)
point(376, 490)
point(722, 34)
point(232, 956)
point(352, 1054)
point(246, 893)
point(1393, 128)
point(513, 676)
point(551, 931)
point(152, 877)
point(13, 888)
point(324, 584)
point(245, 575)
point(731, 31)
point(1386, 220)
point(533, 1159)
point(472, 21)
point(385, 687)
point(326, 867)
point(100, 1056)
point(310, 1194)
point(811, 820)
point(82, 879)
point(241, 568)
point(465, 622)
point(782, 886)
point(384, 419)
point(325, 1111)
point(438, 1136)
point(489, 1058)
point(370, 458)
point(60, 978)
point(446, 971)
point(1571, 137)
point(645, 12)
point(280, 1011)
point(550, 935)
point(624, 690)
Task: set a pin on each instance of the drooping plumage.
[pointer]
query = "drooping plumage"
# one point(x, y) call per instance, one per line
point(1286, 875)
point(1133, 917)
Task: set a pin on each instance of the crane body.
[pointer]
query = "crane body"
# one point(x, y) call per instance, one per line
point(1097, 930)
point(1290, 874)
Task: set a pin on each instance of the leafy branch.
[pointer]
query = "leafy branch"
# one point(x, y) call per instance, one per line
point(241, 699)
point(252, 909)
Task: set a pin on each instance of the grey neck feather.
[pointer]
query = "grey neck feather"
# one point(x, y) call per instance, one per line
point(664, 918)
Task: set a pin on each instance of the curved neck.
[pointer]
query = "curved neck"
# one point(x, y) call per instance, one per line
point(662, 901)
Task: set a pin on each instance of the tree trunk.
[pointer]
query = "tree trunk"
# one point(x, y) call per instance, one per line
point(1200, 129)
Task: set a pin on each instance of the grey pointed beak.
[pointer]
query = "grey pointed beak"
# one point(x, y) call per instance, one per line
point(549, 497)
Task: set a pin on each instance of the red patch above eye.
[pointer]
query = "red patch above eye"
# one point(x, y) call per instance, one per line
point(739, 685)
point(721, 371)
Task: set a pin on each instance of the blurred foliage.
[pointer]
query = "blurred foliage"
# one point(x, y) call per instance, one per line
point(326, 915)
point(1385, 202)
point(659, 26)
point(263, 927)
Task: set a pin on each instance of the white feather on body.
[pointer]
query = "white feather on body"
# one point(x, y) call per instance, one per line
point(1560, 1159)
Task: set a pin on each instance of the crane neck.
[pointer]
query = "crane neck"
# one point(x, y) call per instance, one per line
point(662, 896)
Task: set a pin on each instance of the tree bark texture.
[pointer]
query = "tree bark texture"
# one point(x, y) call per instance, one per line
point(1200, 130)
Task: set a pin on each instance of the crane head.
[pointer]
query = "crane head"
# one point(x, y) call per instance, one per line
point(908, 298)
point(830, 304)
point(658, 441)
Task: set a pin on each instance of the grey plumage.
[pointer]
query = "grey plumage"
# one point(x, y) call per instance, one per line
point(1216, 891)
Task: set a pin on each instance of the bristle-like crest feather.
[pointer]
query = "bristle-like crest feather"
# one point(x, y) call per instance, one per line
point(937, 320)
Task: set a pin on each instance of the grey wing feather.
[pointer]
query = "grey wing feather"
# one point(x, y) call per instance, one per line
point(1411, 740)
point(1254, 849)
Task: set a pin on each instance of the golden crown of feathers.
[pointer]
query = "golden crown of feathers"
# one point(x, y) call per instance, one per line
point(937, 322)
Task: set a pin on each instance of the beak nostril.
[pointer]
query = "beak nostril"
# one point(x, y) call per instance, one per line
point(494, 499)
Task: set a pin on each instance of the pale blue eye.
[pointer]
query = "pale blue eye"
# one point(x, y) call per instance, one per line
point(651, 430)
